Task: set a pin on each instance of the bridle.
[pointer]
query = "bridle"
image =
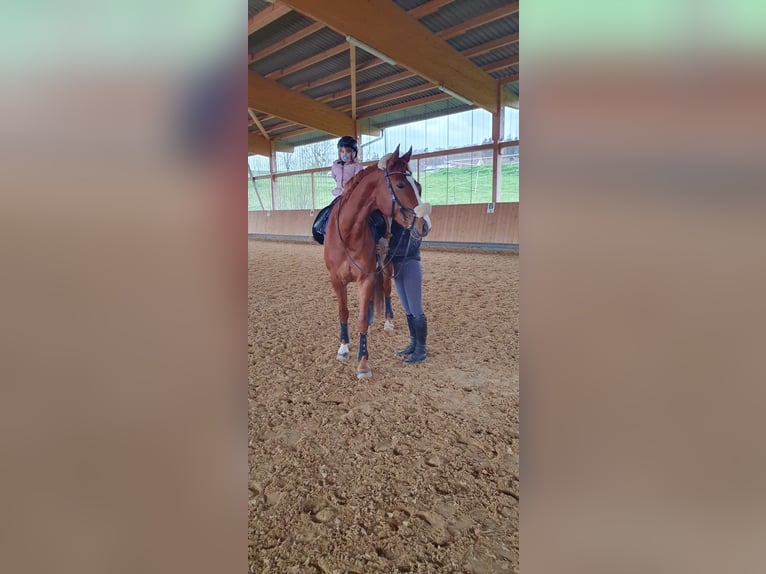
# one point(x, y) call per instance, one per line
point(405, 211)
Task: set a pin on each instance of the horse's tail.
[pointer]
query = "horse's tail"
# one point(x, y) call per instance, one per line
point(378, 295)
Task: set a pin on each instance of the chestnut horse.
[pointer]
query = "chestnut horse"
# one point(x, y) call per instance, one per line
point(349, 246)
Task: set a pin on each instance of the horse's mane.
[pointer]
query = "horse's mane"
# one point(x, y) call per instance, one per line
point(353, 183)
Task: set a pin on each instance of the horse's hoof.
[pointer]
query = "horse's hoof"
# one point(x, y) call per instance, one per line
point(364, 374)
point(342, 356)
point(389, 326)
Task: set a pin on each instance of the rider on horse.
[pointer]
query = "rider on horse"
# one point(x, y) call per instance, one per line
point(346, 166)
point(343, 170)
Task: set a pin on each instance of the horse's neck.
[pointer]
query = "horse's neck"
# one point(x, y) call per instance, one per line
point(356, 209)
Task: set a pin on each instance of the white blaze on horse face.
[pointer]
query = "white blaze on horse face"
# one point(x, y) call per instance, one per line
point(414, 185)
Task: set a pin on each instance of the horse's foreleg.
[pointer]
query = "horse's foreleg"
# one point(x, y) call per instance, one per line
point(342, 296)
point(387, 272)
point(363, 370)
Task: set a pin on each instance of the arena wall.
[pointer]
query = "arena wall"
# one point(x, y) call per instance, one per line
point(452, 224)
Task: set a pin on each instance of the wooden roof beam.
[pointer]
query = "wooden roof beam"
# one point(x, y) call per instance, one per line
point(257, 123)
point(281, 73)
point(262, 146)
point(328, 54)
point(428, 8)
point(489, 46)
point(258, 144)
point(266, 17)
point(291, 39)
point(269, 97)
point(396, 95)
point(479, 20)
point(508, 97)
point(397, 107)
point(501, 64)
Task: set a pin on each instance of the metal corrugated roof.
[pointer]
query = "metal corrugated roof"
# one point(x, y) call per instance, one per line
point(413, 82)
point(329, 88)
point(501, 28)
point(280, 29)
point(407, 99)
point(379, 72)
point(496, 55)
point(321, 41)
point(255, 6)
point(317, 71)
point(409, 4)
point(460, 11)
point(424, 112)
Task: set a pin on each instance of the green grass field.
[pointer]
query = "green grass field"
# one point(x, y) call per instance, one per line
point(452, 186)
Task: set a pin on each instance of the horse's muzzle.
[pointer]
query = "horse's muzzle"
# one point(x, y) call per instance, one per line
point(420, 228)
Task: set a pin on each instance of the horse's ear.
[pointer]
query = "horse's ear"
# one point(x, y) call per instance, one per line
point(395, 155)
point(406, 157)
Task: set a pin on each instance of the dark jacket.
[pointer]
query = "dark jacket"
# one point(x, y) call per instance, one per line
point(403, 245)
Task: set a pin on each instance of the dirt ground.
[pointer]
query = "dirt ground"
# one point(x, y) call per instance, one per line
point(414, 470)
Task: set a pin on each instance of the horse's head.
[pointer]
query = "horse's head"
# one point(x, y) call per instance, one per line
point(400, 198)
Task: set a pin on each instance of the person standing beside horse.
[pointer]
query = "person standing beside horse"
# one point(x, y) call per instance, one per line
point(408, 277)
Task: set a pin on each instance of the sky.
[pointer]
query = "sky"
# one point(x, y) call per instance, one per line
point(457, 130)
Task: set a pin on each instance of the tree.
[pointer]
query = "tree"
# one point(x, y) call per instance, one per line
point(316, 155)
point(284, 161)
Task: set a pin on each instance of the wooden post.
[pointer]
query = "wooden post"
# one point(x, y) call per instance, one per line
point(352, 65)
point(273, 172)
point(497, 134)
point(313, 193)
point(417, 167)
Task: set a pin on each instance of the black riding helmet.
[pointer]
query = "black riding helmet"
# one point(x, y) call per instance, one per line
point(348, 141)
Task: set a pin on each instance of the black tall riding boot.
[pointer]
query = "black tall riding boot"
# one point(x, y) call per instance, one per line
point(421, 334)
point(411, 347)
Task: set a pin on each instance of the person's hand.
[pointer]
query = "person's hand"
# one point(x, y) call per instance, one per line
point(381, 248)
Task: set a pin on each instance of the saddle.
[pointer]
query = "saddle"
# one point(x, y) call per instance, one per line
point(376, 220)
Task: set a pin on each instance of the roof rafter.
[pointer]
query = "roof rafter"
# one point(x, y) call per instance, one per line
point(501, 64)
point(407, 42)
point(291, 39)
point(479, 20)
point(428, 8)
point(268, 96)
point(266, 17)
point(509, 98)
point(492, 45)
point(258, 144)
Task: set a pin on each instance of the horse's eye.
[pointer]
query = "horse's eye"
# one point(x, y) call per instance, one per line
point(400, 185)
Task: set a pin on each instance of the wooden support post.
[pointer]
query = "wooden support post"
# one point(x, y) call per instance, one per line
point(352, 66)
point(497, 134)
point(352, 63)
point(273, 172)
point(313, 192)
point(417, 169)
